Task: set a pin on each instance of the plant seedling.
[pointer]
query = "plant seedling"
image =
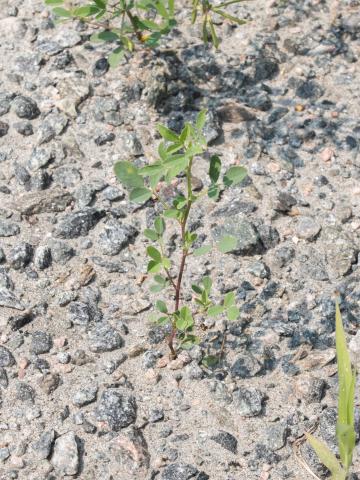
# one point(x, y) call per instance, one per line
point(127, 23)
point(177, 154)
point(345, 430)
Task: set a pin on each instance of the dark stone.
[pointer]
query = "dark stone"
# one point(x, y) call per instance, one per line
point(104, 338)
point(61, 252)
point(284, 202)
point(4, 127)
point(42, 258)
point(309, 89)
point(270, 290)
point(226, 440)
point(265, 69)
point(6, 357)
point(104, 138)
point(20, 255)
point(41, 342)
point(248, 402)
point(24, 128)
point(117, 408)
point(276, 114)
point(43, 446)
point(179, 471)
point(79, 223)
point(115, 237)
point(25, 107)
point(101, 67)
point(245, 366)
point(261, 102)
point(80, 313)
point(25, 392)
point(62, 60)
point(19, 321)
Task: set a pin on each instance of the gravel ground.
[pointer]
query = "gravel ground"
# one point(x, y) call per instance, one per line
point(86, 387)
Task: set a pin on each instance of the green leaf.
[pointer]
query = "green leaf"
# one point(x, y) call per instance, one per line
point(196, 289)
point(229, 299)
point(171, 213)
point(207, 282)
point(154, 253)
point(156, 288)
point(151, 234)
point(153, 169)
point(140, 195)
point(239, 21)
point(346, 439)
point(128, 175)
point(54, 2)
point(167, 134)
point(180, 202)
point(344, 368)
point(201, 120)
point(327, 457)
point(184, 320)
point(227, 244)
point(86, 11)
point(101, 4)
point(214, 37)
point(62, 12)
point(154, 180)
point(159, 279)
point(202, 250)
point(154, 267)
point(159, 225)
point(215, 310)
point(346, 401)
point(215, 167)
point(162, 320)
point(116, 56)
point(105, 36)
point(185, 133)
point(234, 175)
point(166, 263)
point(176, 167)
point(233, 313)
point(189, 341)
point(161, 306)
point(214, 191)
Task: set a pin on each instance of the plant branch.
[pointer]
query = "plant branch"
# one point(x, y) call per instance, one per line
point(183, 257)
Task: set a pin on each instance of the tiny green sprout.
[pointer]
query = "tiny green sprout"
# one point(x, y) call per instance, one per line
point(345, 428)
point(177, 155)
point(127, 24)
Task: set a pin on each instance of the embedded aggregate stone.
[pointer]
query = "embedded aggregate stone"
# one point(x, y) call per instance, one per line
point(79, 223)
point(104, 338)
point(248, 402)
point(41, 342)
point(66, 455)
point(116, 408)
point(25, 107)
point(8, 229)
point(6, 357)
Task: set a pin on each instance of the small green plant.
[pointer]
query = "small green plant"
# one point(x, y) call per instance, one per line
point(127, 23)
point(345, 431)
point(177, 154)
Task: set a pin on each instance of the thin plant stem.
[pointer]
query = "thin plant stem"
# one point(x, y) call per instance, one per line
point(183, 257)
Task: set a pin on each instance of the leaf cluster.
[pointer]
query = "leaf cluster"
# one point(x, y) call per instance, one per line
point(177, 153)
point(129, 22)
